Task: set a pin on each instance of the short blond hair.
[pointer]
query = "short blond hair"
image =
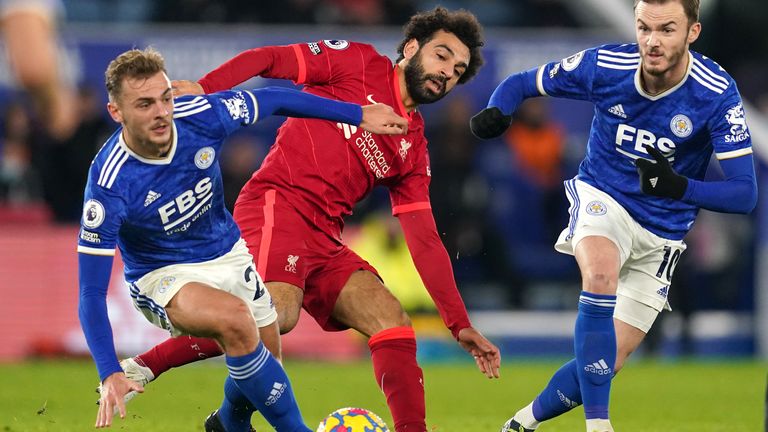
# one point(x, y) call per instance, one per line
point(134, 63)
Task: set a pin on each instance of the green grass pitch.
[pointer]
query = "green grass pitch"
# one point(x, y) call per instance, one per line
point(647, 396)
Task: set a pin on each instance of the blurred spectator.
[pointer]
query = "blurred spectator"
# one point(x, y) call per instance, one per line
point(31, 41)
point(241, 156)
point(459, 198)
point(63, 164)
point(536, 143)
point(380, 241)
point(19, 182)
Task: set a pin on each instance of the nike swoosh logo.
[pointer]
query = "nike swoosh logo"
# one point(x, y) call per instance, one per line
point(370, 98)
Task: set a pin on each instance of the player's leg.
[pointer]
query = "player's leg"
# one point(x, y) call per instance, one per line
point(366, 305)
point(563, 392)
point(205, 311)
point(599, 261)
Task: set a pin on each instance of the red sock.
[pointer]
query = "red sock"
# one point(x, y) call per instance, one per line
point(393, 352)
point(179, 351)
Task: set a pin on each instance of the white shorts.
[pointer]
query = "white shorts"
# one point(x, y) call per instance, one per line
point(647, 260)
point(233, 272)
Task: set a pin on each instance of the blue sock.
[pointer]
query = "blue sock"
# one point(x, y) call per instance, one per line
point(595, 346)
point(561, 395)
point(264, 382)
point(235, 411)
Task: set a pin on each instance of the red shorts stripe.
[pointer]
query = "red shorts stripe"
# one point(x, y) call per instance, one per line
point(266, 237)
point(405, 208)
point(392, 333)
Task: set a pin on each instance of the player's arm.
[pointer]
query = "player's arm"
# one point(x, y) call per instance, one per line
point(571, 78)
point(434, 266)
point(241, 108)
point(736, 194)
point(376, 118)
point(94, 272)
point(497, 116)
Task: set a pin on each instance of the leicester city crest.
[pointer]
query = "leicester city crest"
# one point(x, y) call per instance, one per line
point(681, 125)
point(596, 208)
point(166, 283)
point(204, 157)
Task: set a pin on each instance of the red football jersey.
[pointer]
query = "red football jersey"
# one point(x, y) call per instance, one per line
point(325, 168)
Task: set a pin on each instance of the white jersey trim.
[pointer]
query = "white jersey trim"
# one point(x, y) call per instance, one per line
point(163, 161)
point(255, 106)
point(95, 251)
point(642, 92)
point(618, 67)
point(109, 163)
point(540, 81)
point(734, 153)
point(617, 53)
point(709, 72)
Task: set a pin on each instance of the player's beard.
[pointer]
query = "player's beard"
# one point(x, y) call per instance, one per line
point(671, 60)
point(416, 80)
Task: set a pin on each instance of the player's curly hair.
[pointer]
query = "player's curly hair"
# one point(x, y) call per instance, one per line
point(134, 63)
point(461, 23)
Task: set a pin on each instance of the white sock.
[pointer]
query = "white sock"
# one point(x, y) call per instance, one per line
point(525, 417)
point(599, 425)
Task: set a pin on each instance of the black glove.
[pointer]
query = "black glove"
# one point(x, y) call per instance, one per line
point(489, 123)
point(659, 179)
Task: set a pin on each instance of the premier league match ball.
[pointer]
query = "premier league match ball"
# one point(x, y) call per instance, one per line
point(352, 420)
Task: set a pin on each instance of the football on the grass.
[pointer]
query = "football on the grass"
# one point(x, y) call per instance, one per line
point(352, 420)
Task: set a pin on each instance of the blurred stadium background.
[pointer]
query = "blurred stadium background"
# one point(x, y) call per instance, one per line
point(498, 204)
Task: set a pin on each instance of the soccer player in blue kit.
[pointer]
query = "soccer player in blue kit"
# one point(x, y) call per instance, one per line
point(661, 110)
point(155, 190)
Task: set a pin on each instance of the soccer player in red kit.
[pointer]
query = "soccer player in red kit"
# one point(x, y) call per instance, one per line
point(291, 212)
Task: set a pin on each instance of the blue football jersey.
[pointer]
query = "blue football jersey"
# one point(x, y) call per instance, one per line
point(701, 114)
point(171, 210)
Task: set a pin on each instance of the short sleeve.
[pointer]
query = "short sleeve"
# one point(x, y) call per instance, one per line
point(103, 214)
point(570, 78)
point(728, 127)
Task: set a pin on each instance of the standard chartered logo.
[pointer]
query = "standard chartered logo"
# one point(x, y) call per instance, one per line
point(372, 154)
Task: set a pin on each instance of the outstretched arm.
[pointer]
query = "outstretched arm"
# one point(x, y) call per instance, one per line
point(377, 118)
point(94, 273)
point(434, 267)
point(495, 119)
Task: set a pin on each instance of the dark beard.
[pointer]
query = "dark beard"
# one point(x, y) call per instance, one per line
point(415, 80)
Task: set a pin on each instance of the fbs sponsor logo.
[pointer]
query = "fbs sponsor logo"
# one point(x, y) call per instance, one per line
point(191, 202)
point(277, 390)
point(599, 367)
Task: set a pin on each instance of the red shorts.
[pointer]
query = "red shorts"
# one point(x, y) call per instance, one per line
point(288, 248)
